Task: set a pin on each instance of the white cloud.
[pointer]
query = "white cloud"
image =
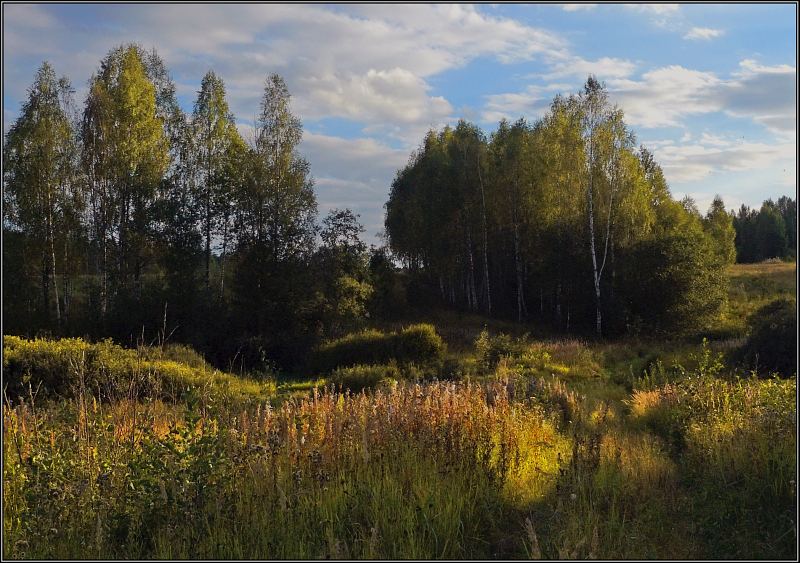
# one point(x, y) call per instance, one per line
point(577, 7)
point(387, 96)
point(712, 154)
point(703, 33)
point(369, 62)
point(603, 68)
point(27, 16)
point(532, 102)
point(667, 16)
point(353, 173)
point(767, 94)
point(664, 97)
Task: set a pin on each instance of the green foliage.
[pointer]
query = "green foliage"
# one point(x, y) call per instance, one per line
point(719, 225)
point(503, 222)
point(70, 367)
point(771, 346)
point(674, 283)
point(740, 454)
point(389, 298)
point(492, 349)
point(768, 232)
point(42, 195)
point(345, 289)
point(418, 344)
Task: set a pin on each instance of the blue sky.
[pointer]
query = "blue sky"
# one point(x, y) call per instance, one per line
point(709, 88)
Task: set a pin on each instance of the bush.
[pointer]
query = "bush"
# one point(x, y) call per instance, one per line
point(357, 378)
point(673, 283)
point(491, 349)
point(417, 344)
point(177, 353)
point(69, 366)
point(772, 344)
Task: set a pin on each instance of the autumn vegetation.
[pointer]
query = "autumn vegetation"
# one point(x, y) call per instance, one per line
point(547, 357)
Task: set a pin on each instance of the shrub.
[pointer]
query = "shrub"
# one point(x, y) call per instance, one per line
point(418, 344)
point(68, 366)
point(177, 353)
point(491, 349)
point(772, 344)
point(357, 378)
point(674, 283)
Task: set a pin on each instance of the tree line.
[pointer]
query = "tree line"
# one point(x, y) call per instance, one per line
point(129, 217)
point(768, 232)
point(561, 221)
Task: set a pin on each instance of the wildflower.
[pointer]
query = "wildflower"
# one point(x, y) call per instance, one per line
point(573, 496)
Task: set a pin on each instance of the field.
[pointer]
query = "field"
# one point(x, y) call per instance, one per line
point(519, 446)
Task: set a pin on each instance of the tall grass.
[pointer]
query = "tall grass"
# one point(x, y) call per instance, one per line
point(552, 453)
point(416, 471)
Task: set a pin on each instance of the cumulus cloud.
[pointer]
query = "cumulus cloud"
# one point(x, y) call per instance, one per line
point(532, 102)
point(703, 33)
point(665, 96)
point(666, 16)
point(395, 95)
point(658, 9)
point(369, 62)
point(691, 162)
point(767, 94)
point(603, 68)
point(353, 173)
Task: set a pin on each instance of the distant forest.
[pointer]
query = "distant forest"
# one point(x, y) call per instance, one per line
point(131, 219)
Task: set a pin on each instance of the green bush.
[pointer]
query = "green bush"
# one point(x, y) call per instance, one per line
point(772, 344)
point(69, 366)
point(419, 344)
point(672, 284)
point(177, 353)
point(416, 344)
point(357, 378)
point(491, 349)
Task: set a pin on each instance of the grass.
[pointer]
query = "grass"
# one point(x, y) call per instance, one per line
point(545, 448)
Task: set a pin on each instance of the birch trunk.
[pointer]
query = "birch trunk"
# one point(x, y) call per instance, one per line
point(51, 240)
point(485, 243)
point(595, 271)
point(518, 268)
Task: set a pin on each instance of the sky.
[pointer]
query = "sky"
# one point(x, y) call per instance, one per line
point(710, 89)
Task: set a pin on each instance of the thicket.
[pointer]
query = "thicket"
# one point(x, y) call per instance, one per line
point(180, 228)
point(416, 344)
point(768, 232)
point(70, 367)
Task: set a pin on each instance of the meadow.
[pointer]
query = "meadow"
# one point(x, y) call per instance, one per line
point(456, 438)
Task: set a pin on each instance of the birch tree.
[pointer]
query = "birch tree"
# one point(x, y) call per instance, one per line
point(126, 155)
point(215, 134)
point(43, 194)
point(605, 137)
